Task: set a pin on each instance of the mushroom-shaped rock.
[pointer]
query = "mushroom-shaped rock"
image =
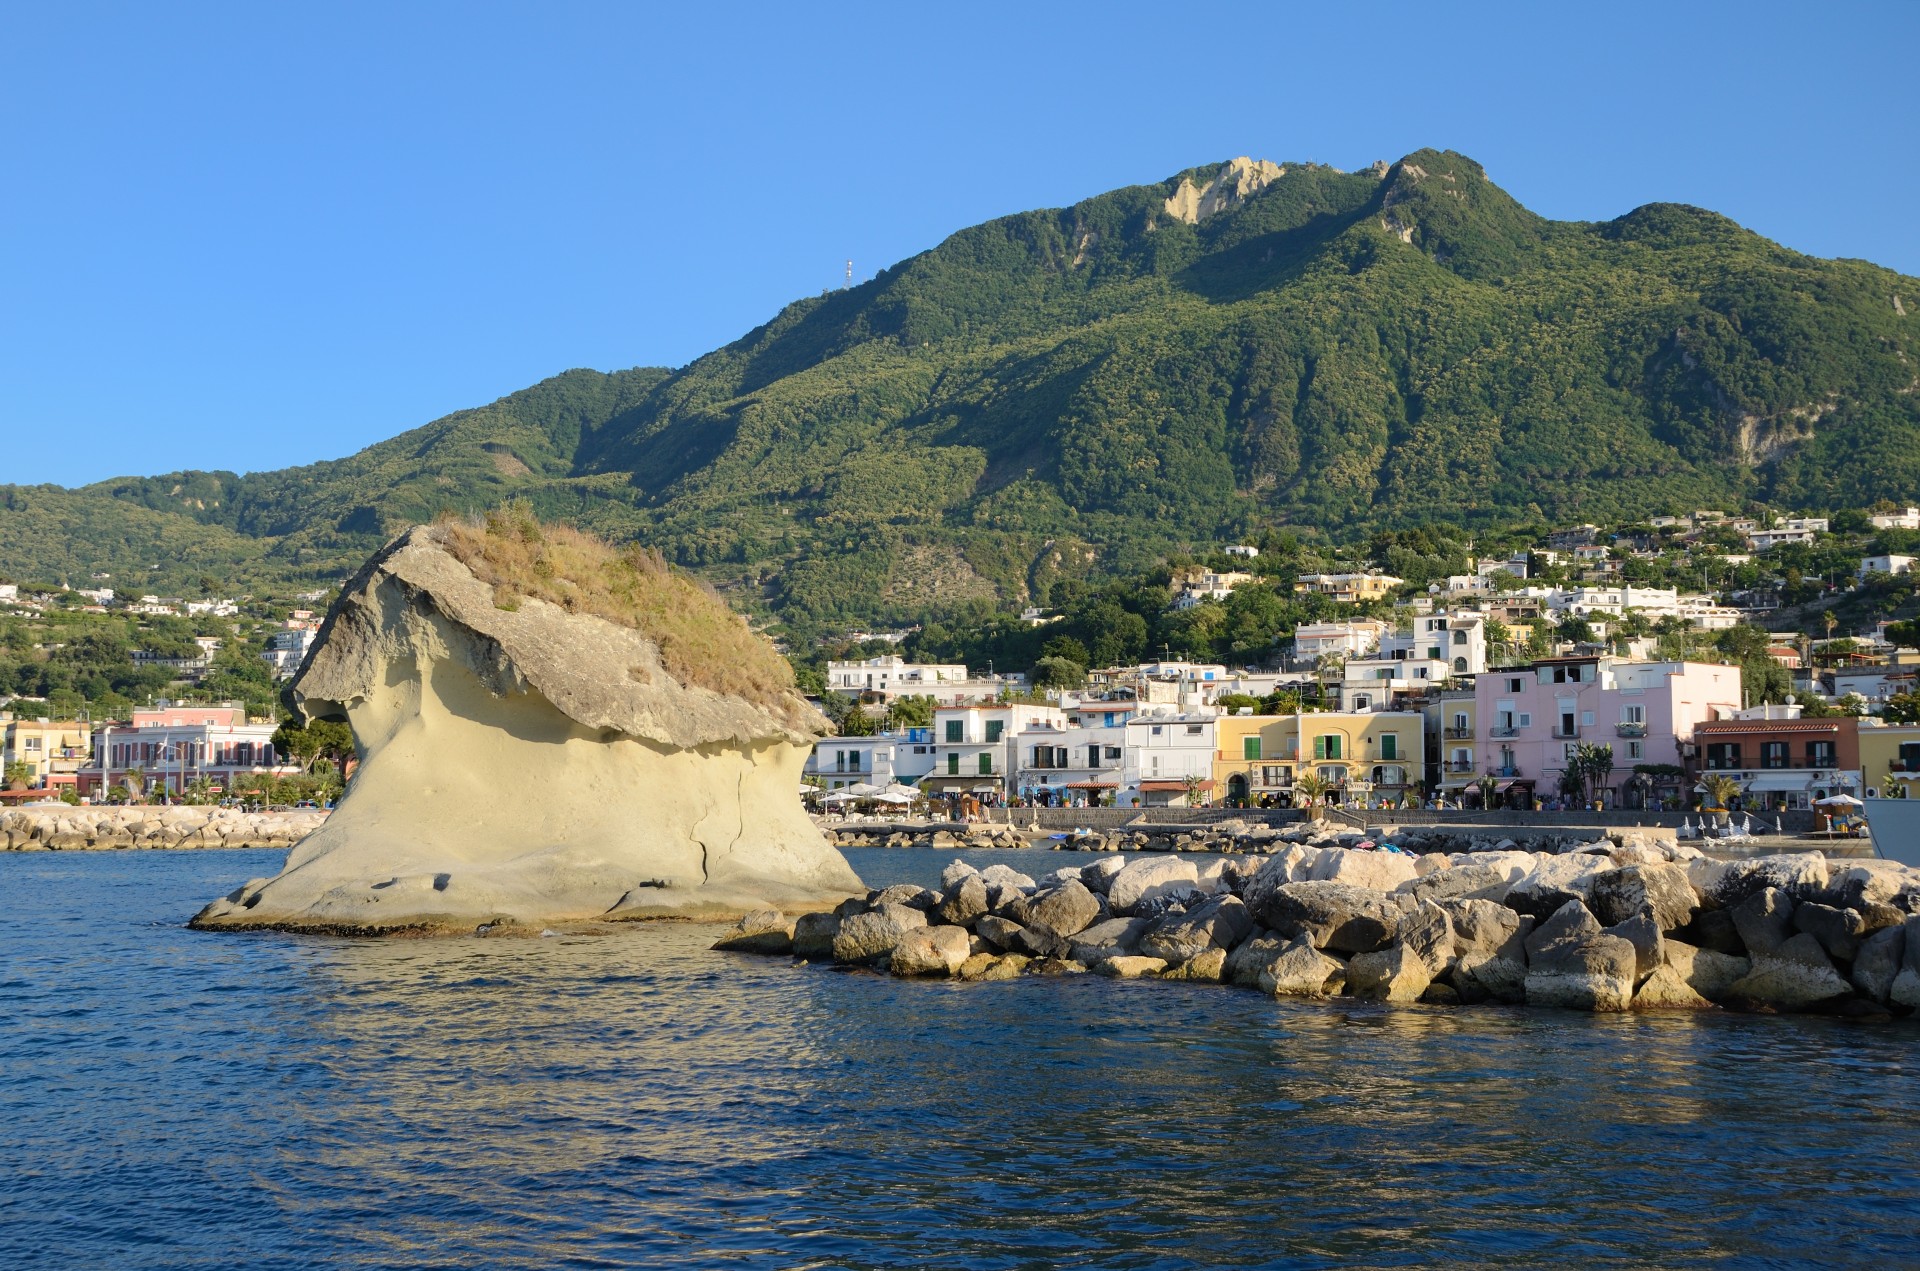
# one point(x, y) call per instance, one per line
point(547, 730)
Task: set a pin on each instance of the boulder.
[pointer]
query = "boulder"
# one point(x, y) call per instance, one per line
point(1331, 915)
point(1126, 967)
point(1208, 966)
point(1860, 884)
point(1905, 989)
point(1004, 880)
point(1661, 889)
point(1667, 990)
point(1643, 933)
point(1714, 929)
point(1570, 922)
point(1060, 912)
point(1151, 880)
point(1800, 875)
point(1254, 955)
point(1878, 962)
point(1010, 936)
point(1480, 926)
point(1707, 972)
point(666, 770)
point(813, 935)
point(1586, 971)
point(1795, 975)
point(1220, 922)
point(905, 894)
point(762, 931)
point(1460, 882)
point(1428, 934)
point(965, 900)
point(1764, 919)
point(1388, 975)
point(1299, 970)
point(1107, 939)
point(1839, 931)
point(865, 937)
point(930, 951)
point(987, 966)
point(1097, 876)
point(1553, 881)
point(955, 872)
point(1378, 870)
point(1499, 974)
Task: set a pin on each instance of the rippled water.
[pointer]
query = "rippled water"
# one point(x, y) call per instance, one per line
point(169, 1098)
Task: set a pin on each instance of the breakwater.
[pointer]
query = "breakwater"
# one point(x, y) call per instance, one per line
point(1631, 922)
point(61, 828)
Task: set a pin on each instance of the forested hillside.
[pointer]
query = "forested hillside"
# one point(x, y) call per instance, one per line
point(1072, 392)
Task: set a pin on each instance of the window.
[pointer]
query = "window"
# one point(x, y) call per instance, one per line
point(953, 765)
point(1361, 702)
point(1460, 722)
point(956, 730)
point(1633, 715)
point(1433, 652)
point(1249, 747)
point(1194, 730)
point(1567, 727)
point(986, 762)
point(1513, 686)
point(1108, 717)
point(1156, 730)
point(33, 743)
point(1636, 750)
point(1460, 665)
point(1723, 754)
point(1523, 720)
point(1586, 719)
point(1113, 754)
point(1820, 754)
point(1390, 745)
point(994, 728)
point(1326, 746)
point(1459, 637)
point(1773, 754)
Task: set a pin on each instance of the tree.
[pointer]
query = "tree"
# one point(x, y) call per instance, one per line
point(18, 774)
point(1066, 646)
point(911, 712)
point(1853, 704)
point(1575, 630)
point(1721, 791)
point(1906, 634)
point(1588, 768)
point(1311, 788)
point(1902, 708)
point(1057, 672)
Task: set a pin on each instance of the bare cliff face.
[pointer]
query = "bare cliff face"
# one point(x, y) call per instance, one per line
point(526, 761)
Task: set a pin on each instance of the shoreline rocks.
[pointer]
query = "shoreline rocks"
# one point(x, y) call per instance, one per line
point(1773, 934)
point(181, 826)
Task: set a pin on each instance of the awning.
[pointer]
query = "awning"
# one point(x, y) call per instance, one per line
point(1780, 783)
point(1090, 785)
point(1502, 787)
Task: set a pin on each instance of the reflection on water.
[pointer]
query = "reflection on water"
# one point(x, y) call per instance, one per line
point(176, 1098)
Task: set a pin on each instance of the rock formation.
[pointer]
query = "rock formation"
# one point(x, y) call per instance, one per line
point(547, 731)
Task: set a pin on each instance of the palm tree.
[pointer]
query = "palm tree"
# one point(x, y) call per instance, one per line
point(1486, 783)
point(1720, 790)
point(1312, 787)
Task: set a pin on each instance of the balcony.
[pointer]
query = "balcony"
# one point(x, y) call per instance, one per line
point(1560, 735)
point(1504, 732)
point(1509, 771)
point(1459, 767)
point(1459, 734)
point(1630, 730)
point(1903, 765)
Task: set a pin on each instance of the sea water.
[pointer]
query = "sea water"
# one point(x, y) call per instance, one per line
point(176, 1099)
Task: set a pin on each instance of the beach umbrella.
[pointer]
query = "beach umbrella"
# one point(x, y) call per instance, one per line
point(1838, 800)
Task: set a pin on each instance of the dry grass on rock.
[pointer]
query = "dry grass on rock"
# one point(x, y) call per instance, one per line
point(702, 642)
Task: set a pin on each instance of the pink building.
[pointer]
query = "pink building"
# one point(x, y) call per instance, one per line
point(1530, 719)
point(174, 744)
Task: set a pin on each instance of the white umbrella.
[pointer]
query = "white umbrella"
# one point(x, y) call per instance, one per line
point(1838, 800)
point(861, 790)
point(894, 795)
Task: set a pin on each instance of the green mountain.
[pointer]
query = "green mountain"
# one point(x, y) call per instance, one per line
point(1242, 346)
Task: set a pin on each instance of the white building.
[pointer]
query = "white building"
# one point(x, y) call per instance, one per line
point(904, 757)
point(1203, 585)
point(893, 676)
point(1905, 520)
point(1885, 565)
point(1082, 762)
point(210, 608)
point(1457, 639)
point(974, 747)
point(1169, 755)
point(287, 649)
point(1243, 550)
point(9, 592)
point(1315, 640)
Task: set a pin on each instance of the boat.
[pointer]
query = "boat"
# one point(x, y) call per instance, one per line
point(1895, 825)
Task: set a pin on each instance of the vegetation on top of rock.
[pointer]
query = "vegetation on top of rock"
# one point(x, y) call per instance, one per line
point(702, 642)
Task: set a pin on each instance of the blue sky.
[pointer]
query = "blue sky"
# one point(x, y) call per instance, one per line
point(245, 236)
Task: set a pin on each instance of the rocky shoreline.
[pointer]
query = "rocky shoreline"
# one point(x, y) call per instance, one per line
point(101, 829)
point(1626, 923)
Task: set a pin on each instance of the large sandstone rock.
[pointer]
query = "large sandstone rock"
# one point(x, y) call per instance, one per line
point(1428, 934)
point(1666, 989)
point(1572, 963)
point(1480, 926)
point(1128, 967)
point(1060, 912)
point(1459, 882)
point(1707, 972)
point(964, 900)
point(1152, 880)
point(1300, 970)
point(1219, 923)
point(1389, 975)
point(1108, 939)
point(1555, 880)
point(813, 934)
point(765, 931)
point(868, 936)
point(1878, 963)
point(1800, 875)
point(1379, 870)
point(1331, 915)
point(1643, 933)
point(537, 765)
point(1253, 956)
point(1662, 890)
point(1793, 976)
point(930, 951)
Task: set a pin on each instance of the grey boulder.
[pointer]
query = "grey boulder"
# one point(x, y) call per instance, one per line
point(930, 951)
point(1331, 915)
point(1219, 923)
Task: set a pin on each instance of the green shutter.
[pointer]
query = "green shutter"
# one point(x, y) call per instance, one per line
point(986, 763)
point(953, 765)
point(1319, 747)
point(1390, 746)
point(1250, 748)
point(994, 728)
point(954, 727)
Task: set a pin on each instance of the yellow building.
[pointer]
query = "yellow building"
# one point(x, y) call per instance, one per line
point(1890, 759)
point(1348, 589)
point(1363, 756)
point(1450, 725)
point(55, 749)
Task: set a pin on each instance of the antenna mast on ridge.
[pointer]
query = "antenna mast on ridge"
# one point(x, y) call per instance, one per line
point(849, 273)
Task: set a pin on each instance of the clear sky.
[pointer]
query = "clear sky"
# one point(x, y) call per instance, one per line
point(251, 235)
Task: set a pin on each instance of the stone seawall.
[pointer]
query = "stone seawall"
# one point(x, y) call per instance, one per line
point(1633, 923)
point(80, 829)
